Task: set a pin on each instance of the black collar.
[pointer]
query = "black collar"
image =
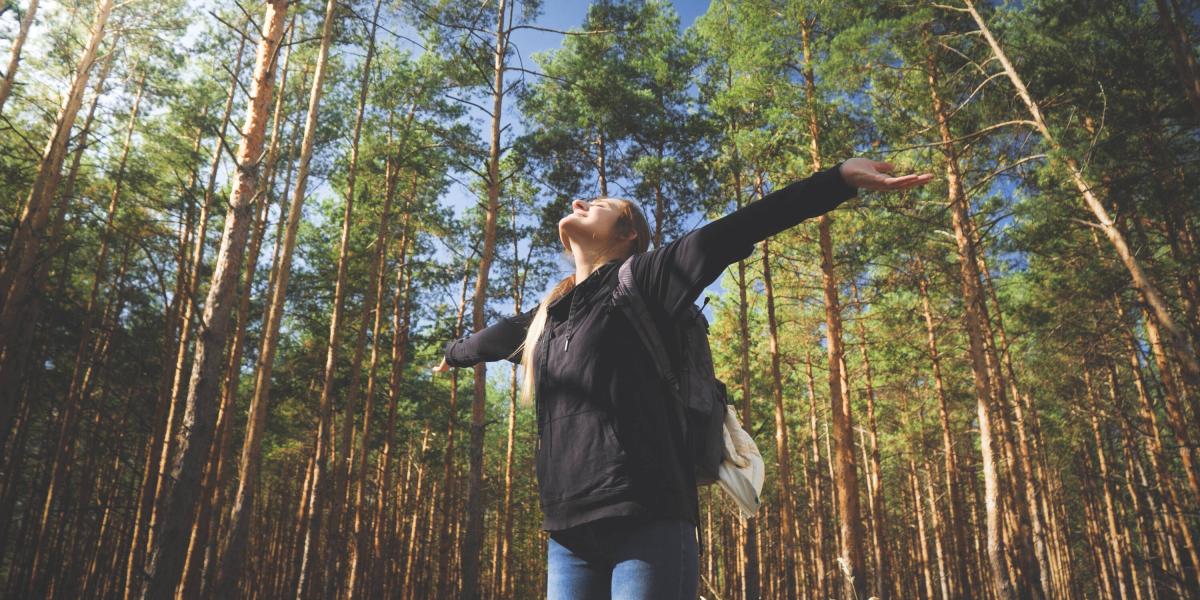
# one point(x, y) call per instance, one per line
point(597, 276)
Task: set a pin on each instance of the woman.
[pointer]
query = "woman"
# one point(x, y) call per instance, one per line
point(618, 494)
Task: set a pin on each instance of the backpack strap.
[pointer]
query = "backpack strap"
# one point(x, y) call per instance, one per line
point(626, 296)
point(633, 304)
point(631, 301)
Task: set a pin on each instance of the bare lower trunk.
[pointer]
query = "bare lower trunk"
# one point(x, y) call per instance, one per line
point(399, 354)
point(879, 533)
point(786, 519)
point(749, 547)
point(321, 477)
point(1118, 556)
point(444, 527)
point(845, 478)
point(957, 523)
point(973, 322)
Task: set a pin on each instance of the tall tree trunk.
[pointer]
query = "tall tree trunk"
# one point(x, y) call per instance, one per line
point(817, 495)
point(973, 321)
point(166, 556)
point(783, 458)
point(444, 526)
point(398, 359)
point(1023, 413)
point(341, 471)
point(602, 164)
point(144, 498)
point(13, 462)
point(845, 480)
point(25, 247)
point(198, 577)
point(174, 396)
point(922, 554)
point(750, 587)
point(956, 526)
point(1120, 562)
point(879, 532)
point(1158, 458)
point(242, 506)
point(503, 550)
point(359, 557)
point(473, 540)
point(935, 525)
point(10, 74)
point(200, 565)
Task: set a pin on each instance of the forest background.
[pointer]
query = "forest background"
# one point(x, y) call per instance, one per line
point(237, 236)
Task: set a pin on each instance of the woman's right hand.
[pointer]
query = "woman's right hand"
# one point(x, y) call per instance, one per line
point(442, 367)
point(875, 175)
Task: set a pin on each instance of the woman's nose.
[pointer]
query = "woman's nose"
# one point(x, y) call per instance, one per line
point(580, 204)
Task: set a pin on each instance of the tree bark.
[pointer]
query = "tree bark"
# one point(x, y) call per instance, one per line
point(237, 530)
point(342, 470)
point(973, 322)
point(956, 526)
point(879, 532)
point(443, 525)
point(504, 578)
point(845, 479)
point(750, 586)
point(166, 556)
point(398, 359)
point(1120, 561)
point(174, 396)
point(473, 540)
point(926, 581)
point(783, 458)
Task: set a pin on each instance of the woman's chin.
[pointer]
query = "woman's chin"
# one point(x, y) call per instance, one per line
point(564, 236)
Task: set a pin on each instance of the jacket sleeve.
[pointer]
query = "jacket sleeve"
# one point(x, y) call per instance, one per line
point(678, 272)
point(497, 341)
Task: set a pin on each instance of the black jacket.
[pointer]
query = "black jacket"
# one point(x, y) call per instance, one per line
point(608, 443)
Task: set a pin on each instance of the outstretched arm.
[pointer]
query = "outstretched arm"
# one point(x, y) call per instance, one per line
point(678, 272)
point(495, 342)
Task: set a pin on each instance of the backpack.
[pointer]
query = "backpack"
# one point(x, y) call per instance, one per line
point(720, 449)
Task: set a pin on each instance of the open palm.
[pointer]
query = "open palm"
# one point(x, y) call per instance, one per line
point(875, 175)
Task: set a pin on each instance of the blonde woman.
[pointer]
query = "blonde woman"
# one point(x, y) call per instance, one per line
point(618, 493)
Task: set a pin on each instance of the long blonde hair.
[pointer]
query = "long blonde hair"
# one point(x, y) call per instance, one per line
point(630, 219)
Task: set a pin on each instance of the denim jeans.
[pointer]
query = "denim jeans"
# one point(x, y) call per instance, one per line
point(624, 558)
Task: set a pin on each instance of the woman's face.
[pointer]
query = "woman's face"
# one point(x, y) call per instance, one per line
point(590, 222)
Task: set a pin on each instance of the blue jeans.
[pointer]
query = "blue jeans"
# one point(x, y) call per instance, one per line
point(624, 558)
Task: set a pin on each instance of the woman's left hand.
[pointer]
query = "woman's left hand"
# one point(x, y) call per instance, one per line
point(874, 175)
